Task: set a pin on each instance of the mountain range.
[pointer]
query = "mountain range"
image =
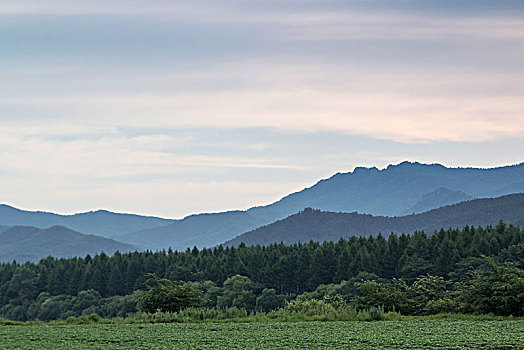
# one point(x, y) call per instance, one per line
point(101, 222)
point(322, 226)
point(395, 190)
point(26, 243)
point(405, 188)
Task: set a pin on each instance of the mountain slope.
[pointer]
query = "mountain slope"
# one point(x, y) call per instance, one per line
point(101, 223)
point(328, 226)
point(438, 198)
point(201, 230)
point(390, 191)
point(25, 243)
point(397, 188)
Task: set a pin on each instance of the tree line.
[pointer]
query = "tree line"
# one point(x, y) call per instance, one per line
point(366, 272)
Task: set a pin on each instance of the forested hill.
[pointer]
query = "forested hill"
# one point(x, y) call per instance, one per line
point(322, 226)
point(60, 288)
point(25, 243)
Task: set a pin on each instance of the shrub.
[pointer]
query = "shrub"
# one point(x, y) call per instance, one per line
point(167, 296)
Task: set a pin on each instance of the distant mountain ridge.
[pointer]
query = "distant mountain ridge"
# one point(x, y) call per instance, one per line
point(390, 191)
point(26, 243)
point(322, 226)
point(396, 190)
point(195, 230)
point(440, 197)
point(101, 222)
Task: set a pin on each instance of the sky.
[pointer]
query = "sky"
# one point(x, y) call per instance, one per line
point(169, 108)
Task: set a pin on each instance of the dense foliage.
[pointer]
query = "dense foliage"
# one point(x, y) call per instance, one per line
point(167, 296)
point(414, 274)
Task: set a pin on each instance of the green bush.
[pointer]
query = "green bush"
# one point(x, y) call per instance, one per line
point(493, 288)
point(269, 300)
point(167, 296)
point(238, 292)
point(441, 306)
point(376, 313)
point(389, 297)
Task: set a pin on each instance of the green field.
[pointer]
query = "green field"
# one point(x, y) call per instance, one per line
point(416, 334)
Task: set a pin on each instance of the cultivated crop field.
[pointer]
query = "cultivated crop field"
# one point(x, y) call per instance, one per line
point(416, 334)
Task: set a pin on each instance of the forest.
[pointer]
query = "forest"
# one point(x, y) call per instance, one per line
point(470, 270)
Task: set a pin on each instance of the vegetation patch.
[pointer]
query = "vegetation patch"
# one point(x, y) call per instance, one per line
point(415, 334)
point(470, 271)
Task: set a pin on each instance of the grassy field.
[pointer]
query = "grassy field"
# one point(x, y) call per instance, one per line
point(416, 334)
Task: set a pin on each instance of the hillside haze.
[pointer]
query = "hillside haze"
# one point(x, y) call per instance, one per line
point(25, 243)
point(322, 226)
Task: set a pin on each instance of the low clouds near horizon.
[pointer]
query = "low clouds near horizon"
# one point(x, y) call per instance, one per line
point(173, 108)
